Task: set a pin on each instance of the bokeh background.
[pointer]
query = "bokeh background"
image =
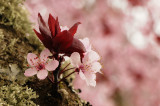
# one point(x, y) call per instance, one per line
point(126, 33)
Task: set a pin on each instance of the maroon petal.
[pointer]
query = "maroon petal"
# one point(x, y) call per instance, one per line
point(41, 19)
point(73, 29)
point(39, 35)
point(57, 27)
point(77, 46)
point(62, 41)
point(52, 24)
point(47, 42)
point(42, 26)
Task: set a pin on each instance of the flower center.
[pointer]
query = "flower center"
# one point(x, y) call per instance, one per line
point(40, 66)
point(85, 67)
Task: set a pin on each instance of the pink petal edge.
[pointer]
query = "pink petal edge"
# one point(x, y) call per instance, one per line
point(30, 72)
point(75, 59)
point(32, 59)
point(52, 65)
point(42, 74)
point(96, 67)
point(44, 55)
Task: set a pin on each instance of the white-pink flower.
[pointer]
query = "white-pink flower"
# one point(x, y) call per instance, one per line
point(41, 65)
point(89, 66)
point(86, 44)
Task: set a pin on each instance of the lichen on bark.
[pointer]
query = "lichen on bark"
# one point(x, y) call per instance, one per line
point(16, 95)
point(14, 28)
point(15, 32)
point(17, 40)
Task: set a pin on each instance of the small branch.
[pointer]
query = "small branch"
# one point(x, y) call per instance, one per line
point(68, 69)
point(50, 79)
point(66, 76)
point(63, 69)
point(56, 73)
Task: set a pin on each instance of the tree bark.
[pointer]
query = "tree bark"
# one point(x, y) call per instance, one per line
point(16, 41)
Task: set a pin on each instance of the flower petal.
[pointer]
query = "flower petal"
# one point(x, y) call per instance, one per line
point(44, 55)
point(63, 40)
point(94, 56)
point(96, 67)
point(39, 35)
point(42, 26)
point(81, 74)
point(52, 24)
point(92, 83)
point(57, 27)
point(42, 74)
point(90, 57)
point(30, 72)
point(77, 46)
point(32, 59)
point(75, 59)
point(86, 44)
point(52, 65)
point(73, 29)
point(46, 40)
point(90, 78)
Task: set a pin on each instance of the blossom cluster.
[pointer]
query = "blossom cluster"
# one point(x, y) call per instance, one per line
point(89, 65)
point(60, 42)
point(126, 35)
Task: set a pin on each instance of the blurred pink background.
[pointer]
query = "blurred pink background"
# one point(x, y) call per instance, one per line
point(126, 33)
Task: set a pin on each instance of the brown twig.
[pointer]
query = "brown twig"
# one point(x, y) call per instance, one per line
point(66, 76)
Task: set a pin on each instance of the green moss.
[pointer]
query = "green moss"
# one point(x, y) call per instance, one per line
point(16, 39)
point(12, 13)
point(13, 52)
point(16, 95)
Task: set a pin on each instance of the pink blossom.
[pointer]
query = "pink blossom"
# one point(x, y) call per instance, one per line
point(86, 44)
point(40, 66)
point(115, 27)
point(89, 66)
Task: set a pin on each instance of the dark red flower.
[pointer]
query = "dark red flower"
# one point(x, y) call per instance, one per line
point(58, 41)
